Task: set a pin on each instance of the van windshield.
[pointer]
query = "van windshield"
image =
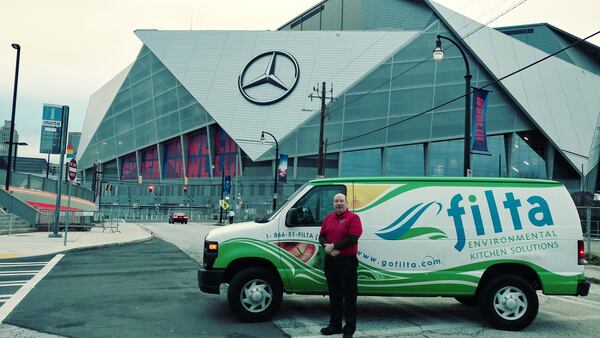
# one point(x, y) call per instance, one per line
point(268, 218)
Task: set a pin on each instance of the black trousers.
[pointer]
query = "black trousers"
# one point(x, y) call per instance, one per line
point(341, 274)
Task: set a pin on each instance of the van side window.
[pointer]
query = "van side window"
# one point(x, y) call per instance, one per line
point(313, 207)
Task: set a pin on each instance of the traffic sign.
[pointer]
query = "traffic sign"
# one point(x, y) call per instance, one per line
point(224, 205)
point(72, 170)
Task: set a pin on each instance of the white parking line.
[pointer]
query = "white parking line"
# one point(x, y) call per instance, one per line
point(578, 301)
point(594, 291)
point(7, 308)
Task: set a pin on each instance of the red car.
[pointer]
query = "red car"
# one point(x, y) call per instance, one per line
point(180, 217)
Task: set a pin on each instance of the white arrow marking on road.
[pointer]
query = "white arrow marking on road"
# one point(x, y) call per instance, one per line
point(7, 308)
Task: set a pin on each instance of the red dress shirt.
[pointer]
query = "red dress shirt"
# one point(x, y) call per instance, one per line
point(337, 227)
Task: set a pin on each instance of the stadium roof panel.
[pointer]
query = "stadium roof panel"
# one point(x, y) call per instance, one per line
point(209, 65)
point(562, 99)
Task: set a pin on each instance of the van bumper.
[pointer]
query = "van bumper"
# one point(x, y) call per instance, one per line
point(209, 281)
point(583, 288)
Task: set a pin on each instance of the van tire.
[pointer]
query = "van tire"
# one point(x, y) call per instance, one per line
point(508, 303)
point(467, 300)
point(254, 294)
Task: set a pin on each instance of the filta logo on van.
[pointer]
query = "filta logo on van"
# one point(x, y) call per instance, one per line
point(538, 215)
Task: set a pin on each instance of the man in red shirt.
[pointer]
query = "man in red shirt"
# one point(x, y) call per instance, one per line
point(339, 236)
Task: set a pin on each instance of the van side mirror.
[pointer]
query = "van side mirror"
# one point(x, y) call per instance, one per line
point(291, 219)
point(299, 216)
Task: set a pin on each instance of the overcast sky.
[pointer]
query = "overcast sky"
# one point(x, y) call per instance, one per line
point(70, 48)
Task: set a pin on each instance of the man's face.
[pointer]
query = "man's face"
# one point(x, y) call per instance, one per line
point(340, 204)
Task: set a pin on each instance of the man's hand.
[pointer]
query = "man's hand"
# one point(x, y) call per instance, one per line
point(335, 253)
point(328, 248)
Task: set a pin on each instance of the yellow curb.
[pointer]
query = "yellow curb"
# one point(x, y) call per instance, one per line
point(9, 255)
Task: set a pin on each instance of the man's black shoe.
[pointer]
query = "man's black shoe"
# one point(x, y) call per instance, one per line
point(328, 331)
point(347, 335)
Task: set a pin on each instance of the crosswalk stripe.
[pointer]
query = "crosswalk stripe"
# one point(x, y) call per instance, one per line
point(11, 272)
point(14, 284)
point(13, 264)
point(12, 281)
point(8, 306)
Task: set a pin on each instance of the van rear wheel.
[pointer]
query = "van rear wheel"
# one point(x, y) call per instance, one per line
point(254, 294)
point(508, 303)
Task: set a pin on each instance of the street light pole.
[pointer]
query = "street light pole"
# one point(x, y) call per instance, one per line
point(438, 55)
point(262, 139)
point(222, 191)
point(17, 144)
point(12, 117)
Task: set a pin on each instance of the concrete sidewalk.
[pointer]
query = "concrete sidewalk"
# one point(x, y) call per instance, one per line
point(38, 243)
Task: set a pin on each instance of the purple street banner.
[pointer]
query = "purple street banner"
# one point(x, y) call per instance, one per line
point(282, 170)
point(478, 128)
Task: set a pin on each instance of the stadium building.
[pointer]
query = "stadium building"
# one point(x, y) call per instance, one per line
point(193, 105)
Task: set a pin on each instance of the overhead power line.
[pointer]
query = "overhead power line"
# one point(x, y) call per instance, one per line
point(461, 39)
point(462, 96)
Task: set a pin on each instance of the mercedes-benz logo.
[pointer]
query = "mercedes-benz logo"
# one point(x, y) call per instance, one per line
point(269, 87)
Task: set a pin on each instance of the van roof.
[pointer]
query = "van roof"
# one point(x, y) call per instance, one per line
point(442, 180)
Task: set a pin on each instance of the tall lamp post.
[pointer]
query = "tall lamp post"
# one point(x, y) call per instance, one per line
point(438, 55)
point(222, 190)
point(12, 116)
point(262, 139)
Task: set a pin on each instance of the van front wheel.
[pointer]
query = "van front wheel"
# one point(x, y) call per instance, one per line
point(254, 294)
point(509, 303)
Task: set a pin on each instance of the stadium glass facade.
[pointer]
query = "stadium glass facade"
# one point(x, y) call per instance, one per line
point(383, 125)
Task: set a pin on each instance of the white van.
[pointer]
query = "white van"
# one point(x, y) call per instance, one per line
point(486, 241)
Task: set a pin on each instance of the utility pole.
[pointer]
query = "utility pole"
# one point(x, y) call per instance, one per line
point(323, 96)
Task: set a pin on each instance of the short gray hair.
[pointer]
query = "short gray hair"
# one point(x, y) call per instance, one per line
point(340, 194)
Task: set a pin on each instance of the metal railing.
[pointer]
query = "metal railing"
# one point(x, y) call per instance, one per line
point(16, 206)
point(30, 181)
point(73, 218)
point(590, 221)
point(159, 214)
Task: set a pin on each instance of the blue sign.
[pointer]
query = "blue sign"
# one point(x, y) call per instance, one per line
point(50, 140)
point(227, 184)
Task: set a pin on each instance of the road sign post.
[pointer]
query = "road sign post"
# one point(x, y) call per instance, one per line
point(72, 174)
point(63, 144)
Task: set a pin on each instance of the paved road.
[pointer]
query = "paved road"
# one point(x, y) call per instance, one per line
point(141, 290)
point(303, 316)
point(149, 290)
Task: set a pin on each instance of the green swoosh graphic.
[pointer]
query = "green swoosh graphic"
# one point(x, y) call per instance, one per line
point(459, 280)
point(420, 231)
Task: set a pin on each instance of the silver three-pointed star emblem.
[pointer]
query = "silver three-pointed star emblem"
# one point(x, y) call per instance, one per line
point(269, 78)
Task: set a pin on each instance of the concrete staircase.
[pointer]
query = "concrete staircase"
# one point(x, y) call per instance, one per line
point(18, 225)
